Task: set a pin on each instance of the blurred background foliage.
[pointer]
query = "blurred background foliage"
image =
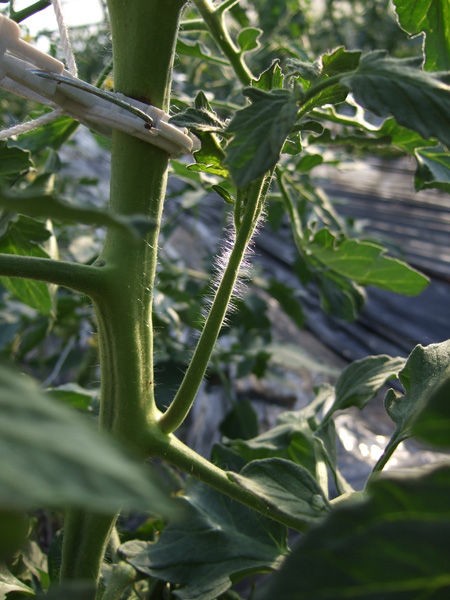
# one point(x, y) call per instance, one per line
point(59, 345)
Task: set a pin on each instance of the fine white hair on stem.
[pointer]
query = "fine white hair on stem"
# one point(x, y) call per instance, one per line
point(221, 261)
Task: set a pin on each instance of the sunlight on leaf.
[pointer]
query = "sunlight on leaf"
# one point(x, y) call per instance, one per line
point(433, 18)
point(285, 486)
point(366, 264)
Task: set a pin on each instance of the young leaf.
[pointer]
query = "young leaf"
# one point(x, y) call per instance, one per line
point(333, 94)
point(198, 119)
point(53, 457)
point(260, 131)
point(197, 50)
point(210, 157)
point(203, 120)
point(339, 61)
point(366, 264)
point(433, 18)
point(285, 485)
point(426, 369)
point(393, 86)
point(361, 380)
point(248, 39)
point(392, 546)
point(433, 169)
point(217, 539)
point(271, 78)
point(223, 193)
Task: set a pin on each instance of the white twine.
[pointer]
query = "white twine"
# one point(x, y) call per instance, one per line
point(71, 67)
point(65, 39)
point(30, 125)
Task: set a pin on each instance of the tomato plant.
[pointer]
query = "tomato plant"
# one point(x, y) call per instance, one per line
point(266, 103)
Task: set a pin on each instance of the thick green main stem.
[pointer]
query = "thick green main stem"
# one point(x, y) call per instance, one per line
point(144, 35)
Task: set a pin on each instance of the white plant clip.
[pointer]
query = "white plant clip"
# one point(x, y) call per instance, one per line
point(28, 72)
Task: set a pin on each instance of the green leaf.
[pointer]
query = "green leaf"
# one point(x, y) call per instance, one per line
point(292, 438)
point(210, 167)
point(288, 487)
point(217, 541)
point(338, 61)
point(198, 119)
point(402, 137)
point(433, 168)
point(306, 70)
point(308, 162)
point(432, 424)
point(210, 157)
point(33, 293)
point(72, 395)
point(224, 194)
point(260, 131)
point(53, 457)
point(198, 50)
point(332, 94)
point(9, 583)
point(393, 86)
point(433, 18)
point(362, 379)
point(271, 78)
point(393, 546)
point(50, 135)
point(204, 121)
point(13, 161)
point(366, 264)
point(425, 370)
point(248, 39)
